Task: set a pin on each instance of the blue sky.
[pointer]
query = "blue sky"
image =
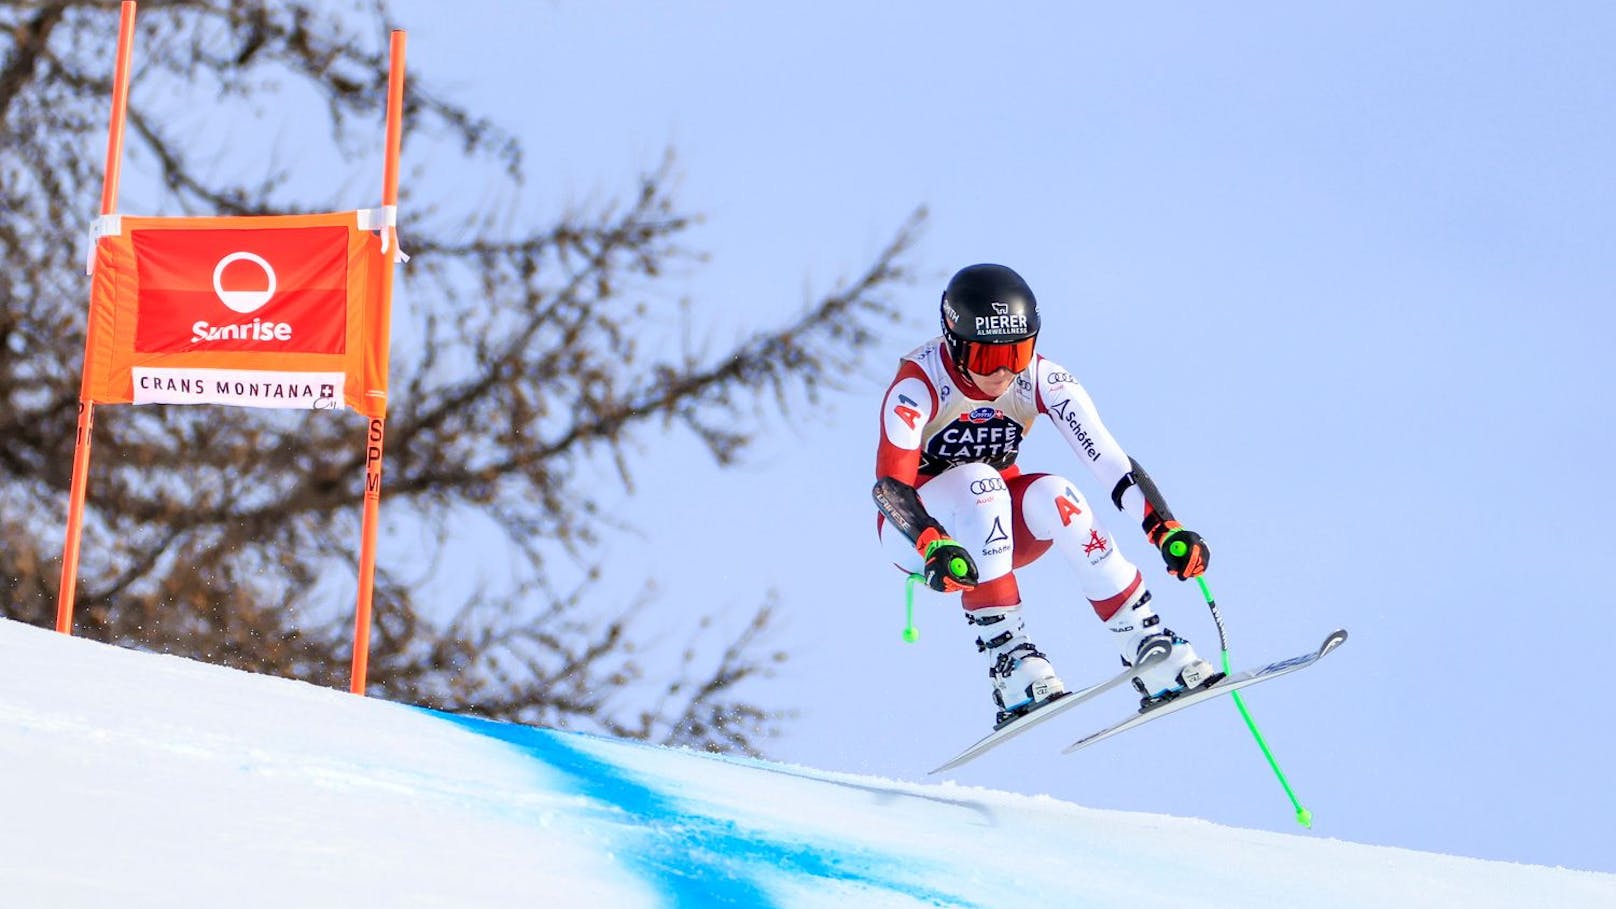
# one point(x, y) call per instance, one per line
point(1339, 275)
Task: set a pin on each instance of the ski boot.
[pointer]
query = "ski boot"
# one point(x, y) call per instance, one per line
point(1023, 679)
point(1141, 632)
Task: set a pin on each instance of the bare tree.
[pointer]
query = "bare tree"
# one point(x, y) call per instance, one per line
point(535, 359)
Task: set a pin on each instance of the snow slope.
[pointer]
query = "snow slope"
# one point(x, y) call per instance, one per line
point(133, 780)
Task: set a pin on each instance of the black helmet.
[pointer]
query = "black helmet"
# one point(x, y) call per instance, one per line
point(990, 319)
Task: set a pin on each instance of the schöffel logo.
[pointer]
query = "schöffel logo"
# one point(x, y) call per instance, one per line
point(1066, 412)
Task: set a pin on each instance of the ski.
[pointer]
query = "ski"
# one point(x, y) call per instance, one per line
point(1051, 708)
point(1231, 683)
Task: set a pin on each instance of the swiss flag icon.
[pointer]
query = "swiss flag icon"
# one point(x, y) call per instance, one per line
point(269, 289)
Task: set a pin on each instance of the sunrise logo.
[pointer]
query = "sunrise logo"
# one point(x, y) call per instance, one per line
point(243, 301)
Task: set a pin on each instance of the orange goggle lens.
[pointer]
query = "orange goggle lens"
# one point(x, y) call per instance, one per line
point(987, 359)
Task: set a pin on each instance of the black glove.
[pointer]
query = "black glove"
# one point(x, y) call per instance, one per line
point(1185, 553)
point(948, 566)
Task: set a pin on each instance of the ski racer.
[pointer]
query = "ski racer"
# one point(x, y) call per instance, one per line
point(956, 508)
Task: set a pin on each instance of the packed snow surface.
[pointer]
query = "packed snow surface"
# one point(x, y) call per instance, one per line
point(133, 780)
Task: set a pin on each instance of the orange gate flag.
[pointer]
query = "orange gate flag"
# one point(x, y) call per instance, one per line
point(282, 311)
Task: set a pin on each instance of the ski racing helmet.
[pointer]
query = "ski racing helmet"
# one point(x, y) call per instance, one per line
point(990, 320)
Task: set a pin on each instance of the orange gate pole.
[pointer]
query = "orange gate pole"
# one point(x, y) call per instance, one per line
point(378, 425)
point(68, 587)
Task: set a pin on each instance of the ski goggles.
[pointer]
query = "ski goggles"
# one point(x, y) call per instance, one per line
point(987, 359)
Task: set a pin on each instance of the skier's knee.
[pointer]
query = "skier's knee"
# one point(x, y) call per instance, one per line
point(1052, 505)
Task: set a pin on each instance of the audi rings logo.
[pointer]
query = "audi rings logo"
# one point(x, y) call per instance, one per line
point(243, 301)
point(983, 487)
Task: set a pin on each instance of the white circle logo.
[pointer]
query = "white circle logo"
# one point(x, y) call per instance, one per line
point(243, 301)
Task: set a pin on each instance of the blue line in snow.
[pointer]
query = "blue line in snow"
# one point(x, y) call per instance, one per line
point(698, 859)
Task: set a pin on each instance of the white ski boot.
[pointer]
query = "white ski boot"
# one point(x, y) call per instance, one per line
point(1138, 630)
point(1023, 679)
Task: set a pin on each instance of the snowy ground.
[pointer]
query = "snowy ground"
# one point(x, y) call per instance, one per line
point(134, 780)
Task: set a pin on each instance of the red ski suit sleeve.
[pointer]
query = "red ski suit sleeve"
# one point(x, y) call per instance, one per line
point(909, 404)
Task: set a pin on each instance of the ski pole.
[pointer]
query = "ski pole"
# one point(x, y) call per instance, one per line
point(911, 634)
point(1303, 816)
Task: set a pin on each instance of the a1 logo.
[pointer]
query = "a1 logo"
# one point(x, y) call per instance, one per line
point(906, 411)
point(1067, 505)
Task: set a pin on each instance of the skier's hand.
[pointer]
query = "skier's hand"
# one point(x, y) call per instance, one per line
point(948, 566)
point(1185, 553)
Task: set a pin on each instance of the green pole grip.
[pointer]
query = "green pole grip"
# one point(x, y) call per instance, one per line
point(911, 634)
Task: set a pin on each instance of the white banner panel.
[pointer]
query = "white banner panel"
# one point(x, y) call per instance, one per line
point(239, 388)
